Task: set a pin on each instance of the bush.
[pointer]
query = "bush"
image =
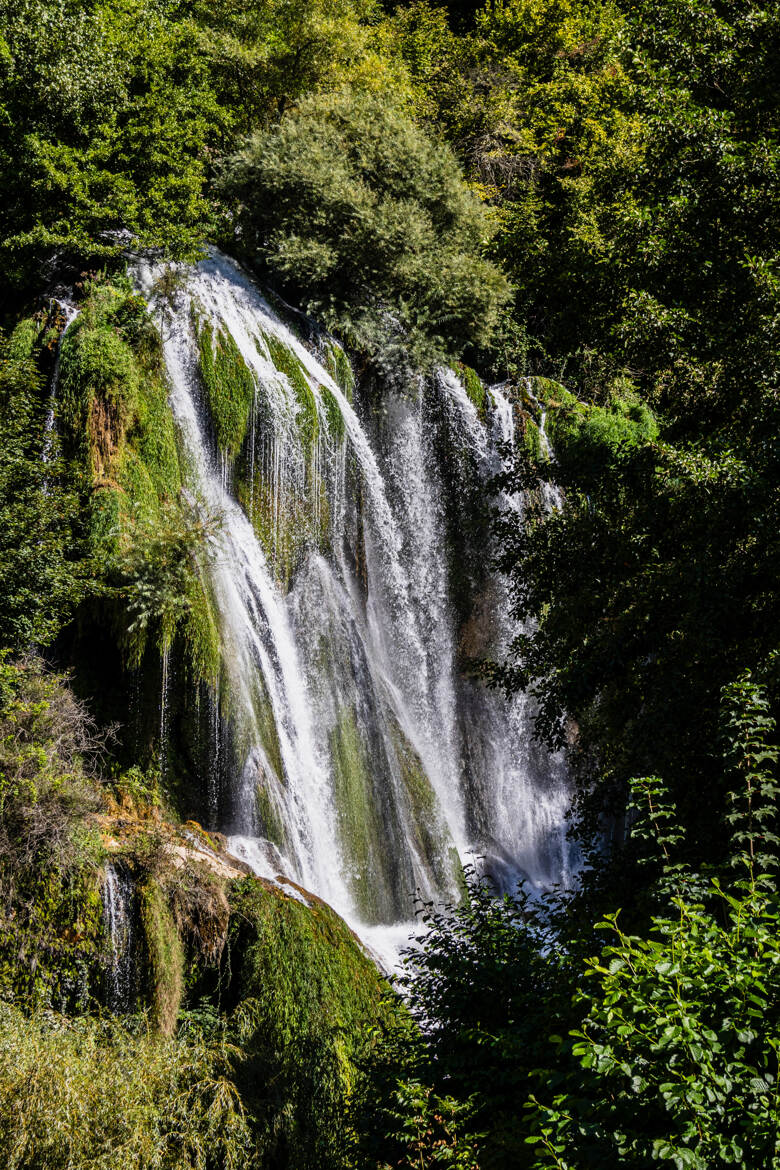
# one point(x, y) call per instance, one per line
point(50, 907)
point(359, 211)
point(676, 1060)
point(40, 579)
point(85, 1093)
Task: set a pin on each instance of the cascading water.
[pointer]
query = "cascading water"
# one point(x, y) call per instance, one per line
point(365, 765)
point(119, 919)
point(68, 313)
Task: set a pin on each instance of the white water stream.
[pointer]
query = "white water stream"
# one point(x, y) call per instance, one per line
point(118, 899)
point(365, 765)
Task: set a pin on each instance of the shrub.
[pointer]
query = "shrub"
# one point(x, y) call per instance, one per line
point(356, 208)
point(38, 545)
point(50, 909)
point(85, 1093)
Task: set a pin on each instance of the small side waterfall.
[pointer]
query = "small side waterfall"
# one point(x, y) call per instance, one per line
point(366, 763)
point(68, 312)
point(165, 685)
point(119, 918)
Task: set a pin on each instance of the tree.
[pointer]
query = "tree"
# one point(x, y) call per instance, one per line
point(38, 510)
point(676, 1060)
point(367, 219)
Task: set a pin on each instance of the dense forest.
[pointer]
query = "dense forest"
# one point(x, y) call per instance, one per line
point(577, 204)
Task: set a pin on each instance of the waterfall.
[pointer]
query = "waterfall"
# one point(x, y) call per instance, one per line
point(69, 313)
point(165, 683)
point(365, 764)
point(119, 919)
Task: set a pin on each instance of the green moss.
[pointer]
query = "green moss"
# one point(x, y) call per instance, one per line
point(338, 366)
point(201, 631)
point(229, 386)
point(98, 391)
point(154, 438)
point(165, 956)
point(269, 737)
point(117, 417)
point(333, 415)
point(548, 392)
point(359, 817)
point(140, 502)
point(286, 362)
point(475, 388)
point(428, 824)
point(307, 998)
point(532, 439)
point(271, 826)
point(285, 527)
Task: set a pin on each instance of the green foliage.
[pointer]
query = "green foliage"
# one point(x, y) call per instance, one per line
point(677, 1056)
point(484, 982)
point(145, 536)
point(52, 915)
point(368, 219)
point(156, 574)
point(678, 1052)
point(266, 56)
point(537, 99)
point(38, 508)
point(86, 1093)
point(648, 589)
point(749, 730)
point(661, 1049)
point(587, 437)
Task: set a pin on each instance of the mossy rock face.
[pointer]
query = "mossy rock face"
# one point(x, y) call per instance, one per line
point(340, 369)
point(532, 439)
point(164, 956)
point(97, 393)
point(119, 425)
point(335, 420)
point(201, 630)
point(279, 478)
point(475, 388)
point(360, 820)
point(284, 525)
point(24, 340)
point(428, 824)
point(586, 436)
point(154, 437)
point(270, 822)
point(307, 995)
point(52, 944)
point(228, 383)
point(287, 363)
point(547, 392)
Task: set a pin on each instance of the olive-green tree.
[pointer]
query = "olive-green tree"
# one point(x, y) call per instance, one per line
point(368, 220)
